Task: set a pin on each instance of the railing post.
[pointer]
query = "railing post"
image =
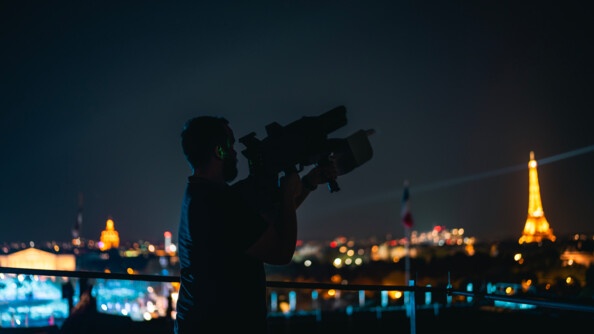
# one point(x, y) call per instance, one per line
point(292, 301)
point(361, 298)
point(428, 296)
point(316, 305)
point(469, 288)
point(411, 308)
point(273, 301)
point(448, 288)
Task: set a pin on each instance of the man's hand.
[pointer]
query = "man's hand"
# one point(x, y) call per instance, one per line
point(290, 185)
point(320, 174)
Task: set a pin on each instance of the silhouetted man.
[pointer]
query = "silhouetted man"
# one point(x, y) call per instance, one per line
point(223, 241)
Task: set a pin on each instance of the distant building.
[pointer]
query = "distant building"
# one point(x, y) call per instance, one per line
point(110, 238)
point(33, 258)
point(570, 257)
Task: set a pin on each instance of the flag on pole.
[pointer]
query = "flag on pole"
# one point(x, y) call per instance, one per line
point(405, 213)
point(76, 230)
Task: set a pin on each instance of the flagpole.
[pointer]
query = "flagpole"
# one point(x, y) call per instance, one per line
point(407, 303)
point(407, 234)
point(407, 222)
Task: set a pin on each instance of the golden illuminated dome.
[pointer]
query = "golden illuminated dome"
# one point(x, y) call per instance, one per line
point(110, 238)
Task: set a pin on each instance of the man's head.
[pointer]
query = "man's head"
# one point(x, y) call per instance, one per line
point(207, 137)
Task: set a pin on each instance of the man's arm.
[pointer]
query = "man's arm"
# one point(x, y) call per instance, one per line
point(277, 243)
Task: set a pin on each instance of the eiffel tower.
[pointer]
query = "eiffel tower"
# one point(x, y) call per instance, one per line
point(537, 227)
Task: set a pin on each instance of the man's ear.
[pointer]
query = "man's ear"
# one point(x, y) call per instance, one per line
point(220, 152)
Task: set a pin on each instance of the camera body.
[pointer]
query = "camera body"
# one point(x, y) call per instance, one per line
point(302, 143)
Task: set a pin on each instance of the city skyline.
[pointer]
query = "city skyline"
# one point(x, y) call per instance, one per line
point(95, 96)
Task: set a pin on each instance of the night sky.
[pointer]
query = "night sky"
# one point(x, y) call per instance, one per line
point(95, 94)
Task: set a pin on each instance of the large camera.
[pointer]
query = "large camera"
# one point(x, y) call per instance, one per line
point(302, 143)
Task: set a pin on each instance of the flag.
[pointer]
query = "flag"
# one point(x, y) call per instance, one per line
point(405, 213)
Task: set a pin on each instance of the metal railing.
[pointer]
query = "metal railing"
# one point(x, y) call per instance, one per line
point(477, 298)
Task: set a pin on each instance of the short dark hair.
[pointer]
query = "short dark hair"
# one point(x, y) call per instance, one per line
point(200, 135)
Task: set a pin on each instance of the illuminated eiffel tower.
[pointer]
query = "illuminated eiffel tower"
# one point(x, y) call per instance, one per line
point(537, 227)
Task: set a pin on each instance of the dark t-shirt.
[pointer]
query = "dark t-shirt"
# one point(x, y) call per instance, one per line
point(220, 283)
